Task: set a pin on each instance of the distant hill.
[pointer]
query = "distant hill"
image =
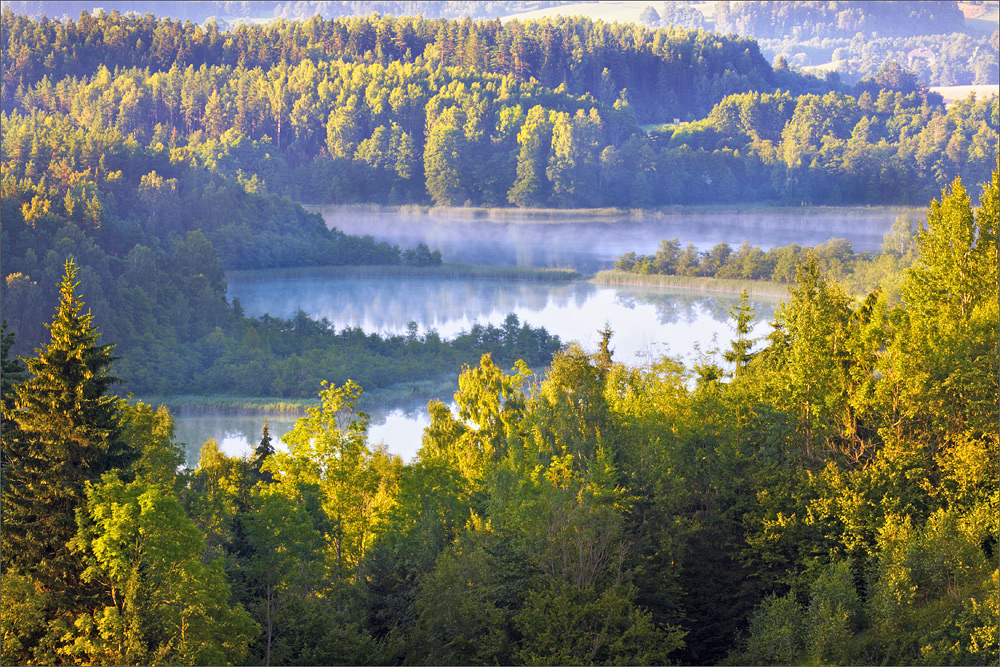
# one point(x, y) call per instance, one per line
point(236, 10)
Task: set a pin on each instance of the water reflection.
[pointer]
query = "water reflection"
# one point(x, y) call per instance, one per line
point(590, 244)
point(399, 427)
point(648, 322)
point(573, 311)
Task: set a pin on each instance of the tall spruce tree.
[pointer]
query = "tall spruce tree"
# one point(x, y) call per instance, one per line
point(67, 433)
point(260, 455)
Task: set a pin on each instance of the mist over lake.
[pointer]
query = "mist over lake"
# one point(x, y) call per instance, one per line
point(592, 242)
point(648, 322)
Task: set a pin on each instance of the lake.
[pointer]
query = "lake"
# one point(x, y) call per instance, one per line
point(592, 243)
point(647, 322)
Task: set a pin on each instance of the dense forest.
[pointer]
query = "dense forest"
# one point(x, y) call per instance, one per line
point(160, 154)
point(827, 496)
point(945, 43)
point(766, 20)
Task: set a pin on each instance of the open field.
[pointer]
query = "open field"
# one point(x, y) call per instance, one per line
point(952, 93)
point(621, 12)
point(980, 19)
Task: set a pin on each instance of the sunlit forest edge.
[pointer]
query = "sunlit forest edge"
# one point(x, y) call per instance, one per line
point(826, 494)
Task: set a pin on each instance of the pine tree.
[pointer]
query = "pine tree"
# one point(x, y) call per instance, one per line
point(263, 450)
point(739, 349)
point(67, 433)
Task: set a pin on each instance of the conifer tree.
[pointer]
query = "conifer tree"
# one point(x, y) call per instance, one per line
point(67, 434)
point(739, 349)
point(260, 454)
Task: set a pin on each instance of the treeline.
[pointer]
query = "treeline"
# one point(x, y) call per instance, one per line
point(828, 495)
point(335, 131)
point(272, 357)
point(891, 146)
point(939, 60)
point(234, 10)
point(936, 60)
point(768, 20)
point(931, 38)
point(449, 9)
point(664, 73)
point(153, 237)
point(836, 259)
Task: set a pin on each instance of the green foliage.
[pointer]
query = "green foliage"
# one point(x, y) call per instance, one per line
point(776, 632)
point(329, 448)
point(68, 433)
point(564, 625)
point(465, 606)
point(833, 615)
point(280, 563)
point(151, 433)
point(166, 605)
point(836, 498)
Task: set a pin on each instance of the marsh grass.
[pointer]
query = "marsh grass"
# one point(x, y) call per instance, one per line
point(699, 284)
point(450, 270)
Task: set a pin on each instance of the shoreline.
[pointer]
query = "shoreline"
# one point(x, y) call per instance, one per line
point(610, 215)
point(446, 270)
point(419, 391)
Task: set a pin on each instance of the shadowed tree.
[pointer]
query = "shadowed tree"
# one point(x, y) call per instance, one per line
point(67, 434)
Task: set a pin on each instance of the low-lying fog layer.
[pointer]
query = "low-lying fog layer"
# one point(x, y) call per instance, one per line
point(591, 243)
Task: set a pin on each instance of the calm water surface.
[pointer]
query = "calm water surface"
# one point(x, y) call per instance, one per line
point(591, 244)
point(400, 427)
point(648, 322)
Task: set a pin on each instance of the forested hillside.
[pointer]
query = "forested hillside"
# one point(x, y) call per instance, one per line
point(829, 495)
point(945, 43)
point(155, 153)
point(534, 114)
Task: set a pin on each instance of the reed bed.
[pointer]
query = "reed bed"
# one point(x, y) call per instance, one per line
point(449, 270)
point(700, 284)
point(233, 405)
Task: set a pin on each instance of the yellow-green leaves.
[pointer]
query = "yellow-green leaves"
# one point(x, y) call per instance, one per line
point(160, 603)
point(329, 448)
